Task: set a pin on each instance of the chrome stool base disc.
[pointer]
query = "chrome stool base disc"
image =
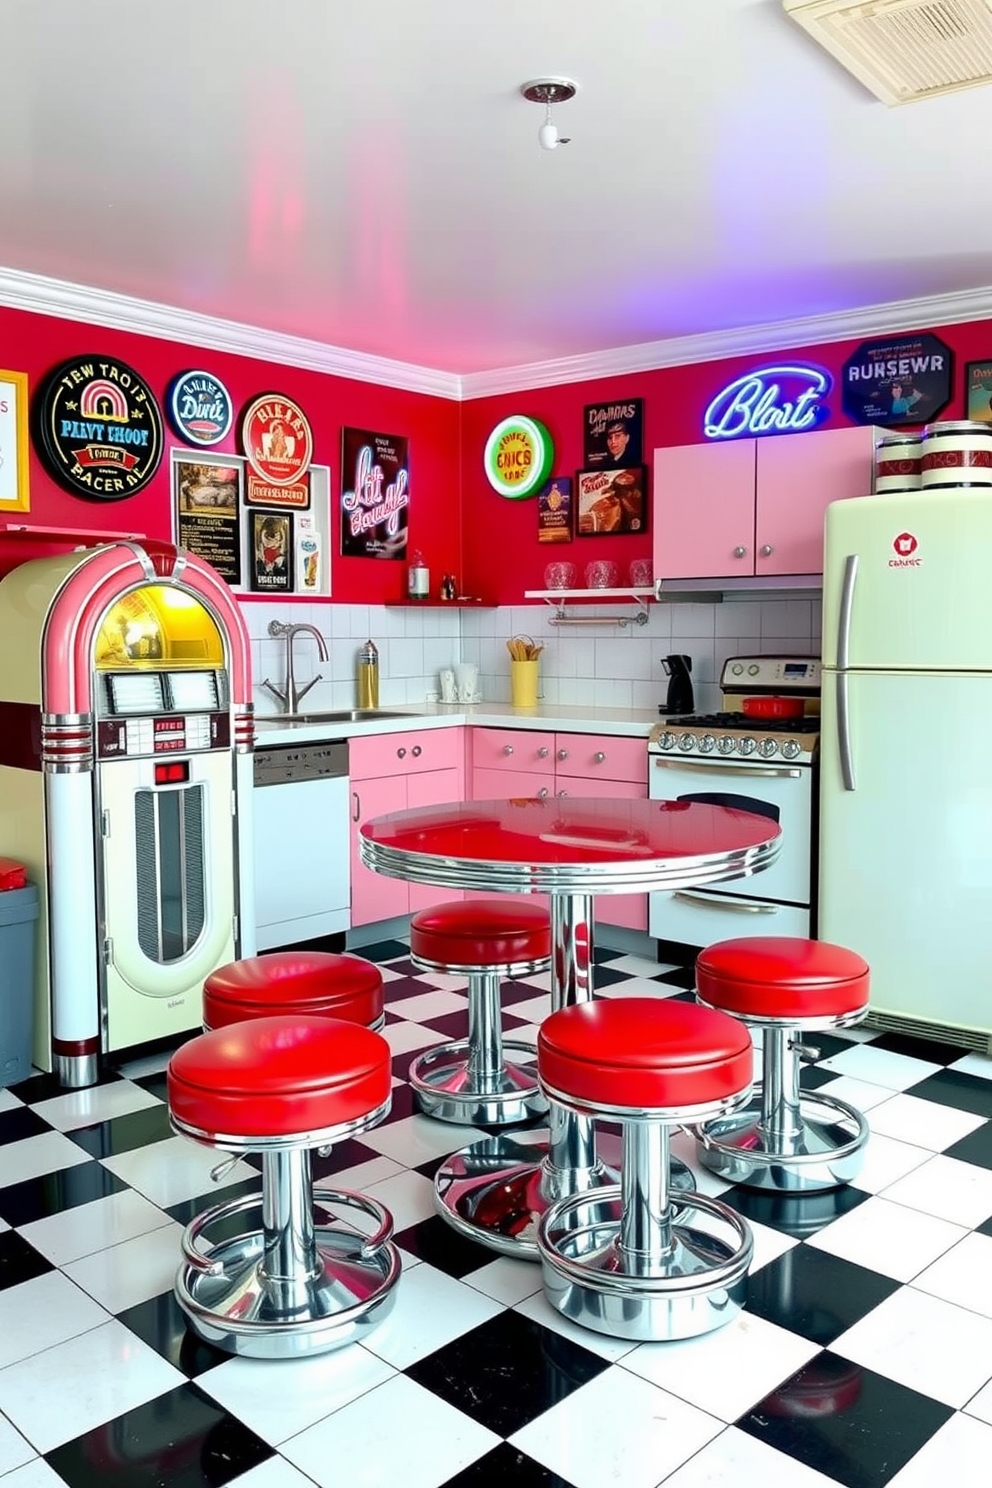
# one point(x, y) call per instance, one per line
point(497, 1190)
point(827, 1152)
point(229, 1300)
point(696, 1285)
point(444, 1087)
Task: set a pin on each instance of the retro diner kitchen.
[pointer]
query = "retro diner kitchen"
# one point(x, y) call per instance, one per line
point(494, 882)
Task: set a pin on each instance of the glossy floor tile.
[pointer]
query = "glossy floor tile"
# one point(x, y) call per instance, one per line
point(863, 1357)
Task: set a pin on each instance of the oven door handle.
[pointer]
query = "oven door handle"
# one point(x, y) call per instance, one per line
point(776, 772)
point(736, 906)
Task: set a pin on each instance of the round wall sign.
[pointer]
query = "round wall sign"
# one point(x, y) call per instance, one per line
point(98, 429)
point(199, 408)
point(518, 458)
point(277, 440)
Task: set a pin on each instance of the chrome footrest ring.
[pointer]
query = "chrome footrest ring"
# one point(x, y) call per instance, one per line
point(827, 1151)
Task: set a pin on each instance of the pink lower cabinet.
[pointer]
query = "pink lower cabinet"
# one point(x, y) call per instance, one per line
point(389, 772)
point(594, 765)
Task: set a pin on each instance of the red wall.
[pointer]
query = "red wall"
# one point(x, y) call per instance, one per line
point(36, 343)
point(502, 555)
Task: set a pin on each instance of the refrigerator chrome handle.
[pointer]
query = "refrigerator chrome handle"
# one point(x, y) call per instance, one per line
point(735, 767)
point(733, 905)
point(846, 610)
point(844, 734)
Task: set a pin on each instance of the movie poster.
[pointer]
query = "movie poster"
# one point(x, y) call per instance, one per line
point(375, 494)
point(613, 434)
point(271, 552)
point(611, 502)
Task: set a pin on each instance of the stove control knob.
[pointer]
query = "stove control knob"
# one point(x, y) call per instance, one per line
point(747, 745)
point(707, 743)
point(767, 747)
point(687, 741)
point(791, 748)
point(726, 744)
point(668, 740)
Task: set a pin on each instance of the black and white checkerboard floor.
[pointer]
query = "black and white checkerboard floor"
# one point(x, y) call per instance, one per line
point(864, 1356)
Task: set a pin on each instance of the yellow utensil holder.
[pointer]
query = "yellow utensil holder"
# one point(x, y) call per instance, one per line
point(523, 684)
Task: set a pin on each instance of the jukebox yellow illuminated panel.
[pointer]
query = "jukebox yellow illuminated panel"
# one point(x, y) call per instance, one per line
point(158, 625)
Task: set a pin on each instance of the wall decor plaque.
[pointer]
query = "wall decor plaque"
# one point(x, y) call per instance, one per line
point(199, 408)
point(612, 434)
point(14, 441)
point(375, 494)
point(554, 511)
point(611, 502)
point(904, 380)
point(518, 457)
point(277, 439)
point(97, 428)
point(206, 493)
point(271, 552)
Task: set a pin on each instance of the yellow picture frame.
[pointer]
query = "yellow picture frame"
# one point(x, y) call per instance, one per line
point(14, 488)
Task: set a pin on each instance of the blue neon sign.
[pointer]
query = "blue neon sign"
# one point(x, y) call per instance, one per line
point(782, 399)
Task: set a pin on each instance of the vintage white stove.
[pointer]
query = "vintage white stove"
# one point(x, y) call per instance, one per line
point(757, 764)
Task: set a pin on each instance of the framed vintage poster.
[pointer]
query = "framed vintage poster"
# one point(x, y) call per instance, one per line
point(271, 552)
point(897, 382)
point(612, 434)
point(611, 502)
point(554, 510)
point(978, 392)
point(206, 495)
point(13, 441)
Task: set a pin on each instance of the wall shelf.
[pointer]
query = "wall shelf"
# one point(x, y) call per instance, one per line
point(463, 603)
point(559, 598)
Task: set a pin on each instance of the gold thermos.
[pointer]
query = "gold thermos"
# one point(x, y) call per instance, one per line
point(368, 676)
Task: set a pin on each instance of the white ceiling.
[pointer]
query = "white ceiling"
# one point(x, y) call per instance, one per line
point(364, 173)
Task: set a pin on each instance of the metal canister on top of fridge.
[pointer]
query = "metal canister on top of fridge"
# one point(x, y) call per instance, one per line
point(956, 453)
point(898, 463)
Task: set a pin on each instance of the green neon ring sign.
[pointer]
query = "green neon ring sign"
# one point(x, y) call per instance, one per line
point(518, 457)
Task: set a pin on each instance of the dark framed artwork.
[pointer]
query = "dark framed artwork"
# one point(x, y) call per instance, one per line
point(612, 434)
point(611, 502)
point(206, 497)
point(554, 510)
point(897, 381)
point(375, 494)
point(978, 391)
point(271, 552)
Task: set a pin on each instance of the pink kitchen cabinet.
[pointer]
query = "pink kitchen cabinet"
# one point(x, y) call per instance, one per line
point(753, 507)
point(389, 772)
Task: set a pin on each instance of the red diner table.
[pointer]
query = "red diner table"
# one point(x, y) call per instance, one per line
point(496, 1190)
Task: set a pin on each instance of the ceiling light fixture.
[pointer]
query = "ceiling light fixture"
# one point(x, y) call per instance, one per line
point(549, 91)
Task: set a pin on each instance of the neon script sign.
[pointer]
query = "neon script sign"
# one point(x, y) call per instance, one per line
point(772, 400)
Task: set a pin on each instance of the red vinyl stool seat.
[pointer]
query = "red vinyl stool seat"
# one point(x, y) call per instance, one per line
point(484, 1079)
point(787, 1139)
point(637, 1259)
point(319, 982)
point(292, 1280)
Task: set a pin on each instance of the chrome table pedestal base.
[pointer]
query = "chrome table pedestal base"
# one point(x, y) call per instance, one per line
point(287, 1287)
point(823, 1149)
point(446, 1087)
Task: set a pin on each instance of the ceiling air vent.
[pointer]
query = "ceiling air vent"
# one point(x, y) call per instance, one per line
point(904, 50)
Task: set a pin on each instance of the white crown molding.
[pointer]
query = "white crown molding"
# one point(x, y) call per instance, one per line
point(869, 320)
point(35, 292)
point(100, 307)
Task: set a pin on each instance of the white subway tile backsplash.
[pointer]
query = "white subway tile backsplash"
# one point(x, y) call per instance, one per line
point(693, 620)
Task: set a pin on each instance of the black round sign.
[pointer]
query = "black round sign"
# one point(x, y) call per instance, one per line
point(97, 428)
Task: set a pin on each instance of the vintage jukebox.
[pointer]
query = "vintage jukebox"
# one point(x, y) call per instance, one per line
point(126, 788)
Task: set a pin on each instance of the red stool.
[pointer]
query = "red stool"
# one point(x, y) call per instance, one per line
point(284, 1285)
point(787, 1139)
point(472, 1081)
point(635, 1259)
point(306, 982)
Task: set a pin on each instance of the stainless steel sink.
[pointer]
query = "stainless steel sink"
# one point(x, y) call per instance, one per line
point(337, 715)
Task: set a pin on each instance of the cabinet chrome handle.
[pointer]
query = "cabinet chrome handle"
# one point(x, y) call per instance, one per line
point(599, 757)
point(563, 754)
point(542, 793)
point(735, 907)
point(697, 767)
point(543, 752)
point(356, 815)
point(562, 794)
point(740, 552)
point(507, 748)
point(416, 751)
point(401, 753)
point(767, 550)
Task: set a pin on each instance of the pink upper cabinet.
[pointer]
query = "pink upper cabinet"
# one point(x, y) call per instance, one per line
point(798, 476)
point(704, 510)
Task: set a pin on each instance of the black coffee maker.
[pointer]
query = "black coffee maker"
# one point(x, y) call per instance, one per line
point(679, 699)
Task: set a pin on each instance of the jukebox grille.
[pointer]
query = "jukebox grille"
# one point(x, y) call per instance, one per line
point(169, 871)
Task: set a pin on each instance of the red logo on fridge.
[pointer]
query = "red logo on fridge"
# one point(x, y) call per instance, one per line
point(904, 546)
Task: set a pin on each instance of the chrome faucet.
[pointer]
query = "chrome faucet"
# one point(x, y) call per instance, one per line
point(289, 694)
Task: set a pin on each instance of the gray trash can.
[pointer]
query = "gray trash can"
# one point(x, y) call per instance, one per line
point(18, 913)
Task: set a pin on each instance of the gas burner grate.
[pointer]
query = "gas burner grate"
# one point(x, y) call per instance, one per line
point(810, 725)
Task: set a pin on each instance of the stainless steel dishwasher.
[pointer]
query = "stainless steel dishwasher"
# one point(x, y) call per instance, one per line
point(302, 874)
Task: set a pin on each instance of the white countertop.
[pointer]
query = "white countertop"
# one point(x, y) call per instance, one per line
point(632, 722)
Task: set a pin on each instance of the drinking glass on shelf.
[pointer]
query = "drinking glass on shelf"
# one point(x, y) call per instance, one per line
point(641, 573)
point(601, 574)
point(559, 576)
